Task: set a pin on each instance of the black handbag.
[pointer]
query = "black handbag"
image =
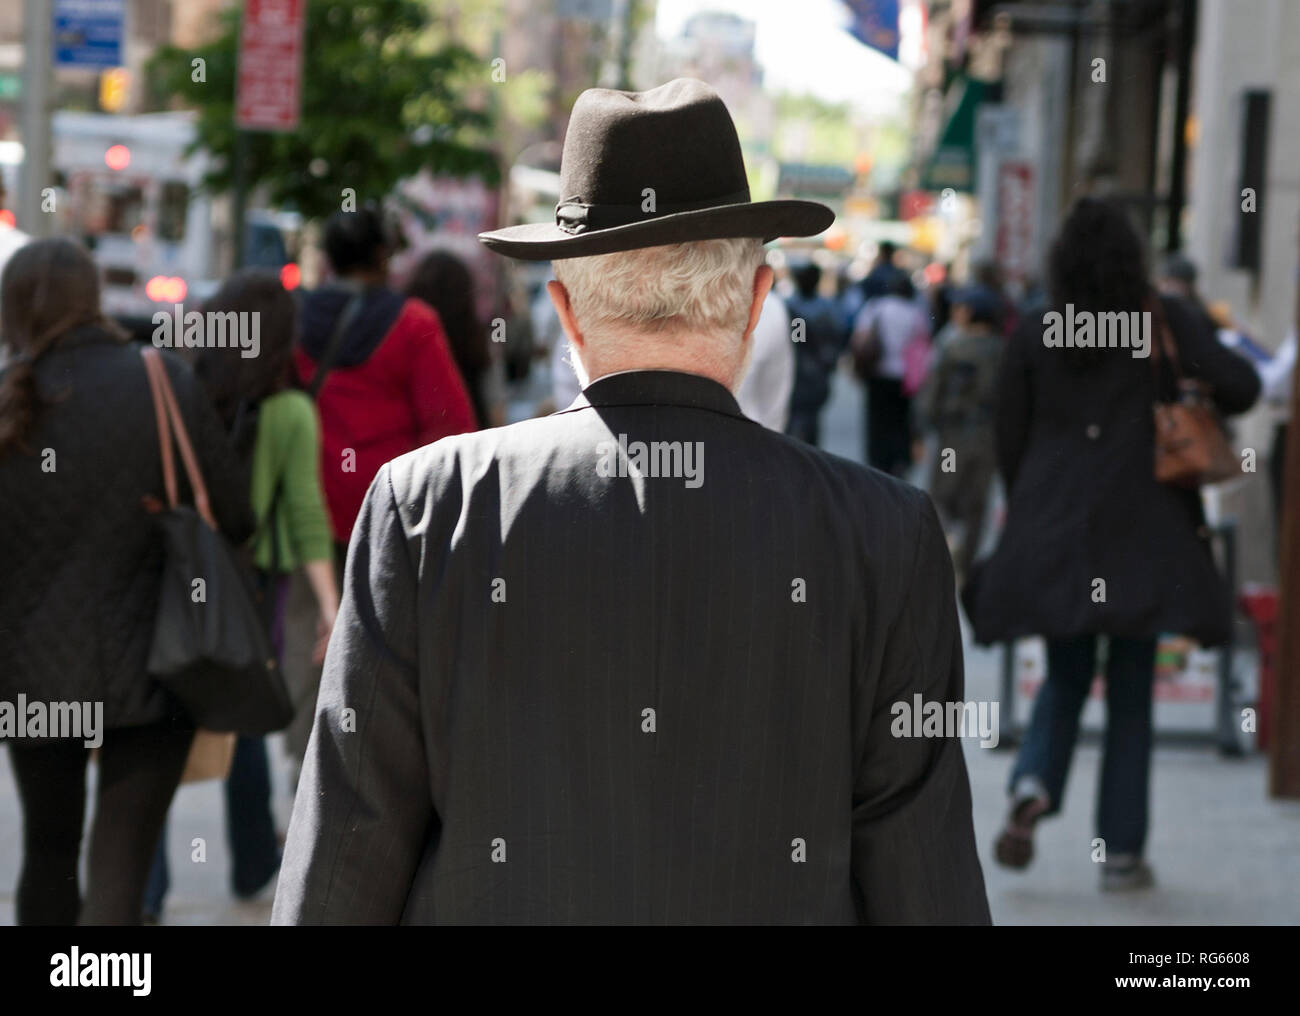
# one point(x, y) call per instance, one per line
point(210, 647)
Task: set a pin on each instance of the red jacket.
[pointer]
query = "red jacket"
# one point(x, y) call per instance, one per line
point(377, 404)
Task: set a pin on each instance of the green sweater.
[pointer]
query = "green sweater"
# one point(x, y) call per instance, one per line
point(287, 449)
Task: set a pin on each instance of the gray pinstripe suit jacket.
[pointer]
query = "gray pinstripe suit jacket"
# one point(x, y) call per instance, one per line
point(555, 695)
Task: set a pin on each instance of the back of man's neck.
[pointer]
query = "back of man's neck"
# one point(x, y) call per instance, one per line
point(677, 366)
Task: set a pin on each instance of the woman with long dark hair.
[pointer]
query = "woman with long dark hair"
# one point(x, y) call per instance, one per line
point(443, 281)
point(274, 430)
point(1093, 545)
point(83, 564)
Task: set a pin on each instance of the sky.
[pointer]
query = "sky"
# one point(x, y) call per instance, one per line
point(803, 47)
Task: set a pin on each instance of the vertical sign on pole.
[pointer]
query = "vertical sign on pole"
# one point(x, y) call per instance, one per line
point(269, 91)
point(1015, 236)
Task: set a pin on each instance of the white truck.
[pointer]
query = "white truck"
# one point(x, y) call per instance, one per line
point(125, 186)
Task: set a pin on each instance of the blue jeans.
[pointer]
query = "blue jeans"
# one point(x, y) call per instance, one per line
point(1121, 816)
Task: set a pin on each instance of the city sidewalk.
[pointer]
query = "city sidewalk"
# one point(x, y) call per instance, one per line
point(1223, 852)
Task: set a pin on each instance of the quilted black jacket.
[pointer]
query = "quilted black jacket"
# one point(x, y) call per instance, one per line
point(80, 559)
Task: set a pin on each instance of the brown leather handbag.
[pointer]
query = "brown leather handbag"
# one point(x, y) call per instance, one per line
point(1192, 448)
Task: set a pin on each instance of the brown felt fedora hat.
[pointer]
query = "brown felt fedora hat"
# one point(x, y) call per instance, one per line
point(641, 169)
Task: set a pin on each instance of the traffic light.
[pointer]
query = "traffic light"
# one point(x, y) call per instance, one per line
point(114, 87)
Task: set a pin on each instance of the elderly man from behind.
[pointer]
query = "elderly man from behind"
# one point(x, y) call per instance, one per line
point(639, 661)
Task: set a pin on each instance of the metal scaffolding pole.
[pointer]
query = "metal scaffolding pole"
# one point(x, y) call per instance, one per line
point(35, 117)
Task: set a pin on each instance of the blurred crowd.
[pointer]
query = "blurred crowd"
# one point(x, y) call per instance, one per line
point(958, 395)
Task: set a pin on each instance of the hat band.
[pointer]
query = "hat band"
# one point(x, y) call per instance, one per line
point(575, 217)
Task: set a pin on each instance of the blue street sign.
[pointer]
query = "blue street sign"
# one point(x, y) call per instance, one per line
point(88, 33)
point(875, 24)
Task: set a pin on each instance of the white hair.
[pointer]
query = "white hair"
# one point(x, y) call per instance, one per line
point(703, 288)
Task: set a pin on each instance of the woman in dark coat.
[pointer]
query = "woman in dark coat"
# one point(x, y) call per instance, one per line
point(82, 566)
point(1093, 545)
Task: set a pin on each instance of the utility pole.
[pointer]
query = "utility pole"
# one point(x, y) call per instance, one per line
point(624, 58)
point(38, 55)
point(1284, 753)
point(239, 203)
point(616, 70)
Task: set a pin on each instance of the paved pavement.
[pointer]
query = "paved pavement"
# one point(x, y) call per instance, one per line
point(1224, 853)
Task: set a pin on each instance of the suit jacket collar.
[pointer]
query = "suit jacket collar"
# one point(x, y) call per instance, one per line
point(657, 388)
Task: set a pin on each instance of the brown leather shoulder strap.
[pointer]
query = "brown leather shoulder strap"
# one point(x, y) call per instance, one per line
point(152, 365)
point(163, 387)
point(1167, 343)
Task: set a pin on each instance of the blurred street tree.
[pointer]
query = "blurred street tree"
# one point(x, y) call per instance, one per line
point(384, 95)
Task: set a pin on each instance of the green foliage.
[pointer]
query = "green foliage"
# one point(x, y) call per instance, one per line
point(381, 99)
point(522, 99)
point(813, 130)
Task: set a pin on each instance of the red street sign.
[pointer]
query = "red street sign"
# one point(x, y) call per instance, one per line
point(1015, 231)
point(268, 94)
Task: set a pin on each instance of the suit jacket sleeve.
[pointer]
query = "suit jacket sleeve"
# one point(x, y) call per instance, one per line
point(914, 859)
point(363, 812)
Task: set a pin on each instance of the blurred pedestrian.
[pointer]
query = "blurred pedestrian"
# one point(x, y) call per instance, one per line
point(817, 351)
point(764, 392)
point(11, 237)
point(940, 296)
point(987, 275)
point(378, 363)
point(385, 382)
point(957, 402)
point(1176, 278)
point(1093, 545)
point(885, 329)
point(883, 277)
point(551, 341)
point(445, 283)
point(274, 432)
point(83, 565)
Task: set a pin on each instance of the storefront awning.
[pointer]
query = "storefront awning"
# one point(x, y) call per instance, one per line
point(953, 162)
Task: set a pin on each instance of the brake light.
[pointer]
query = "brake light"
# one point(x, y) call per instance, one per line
point(165, 289)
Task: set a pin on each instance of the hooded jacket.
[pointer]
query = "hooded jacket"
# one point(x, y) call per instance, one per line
point(392, 388)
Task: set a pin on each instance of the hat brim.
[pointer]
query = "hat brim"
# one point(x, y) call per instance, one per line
point(765, 220)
